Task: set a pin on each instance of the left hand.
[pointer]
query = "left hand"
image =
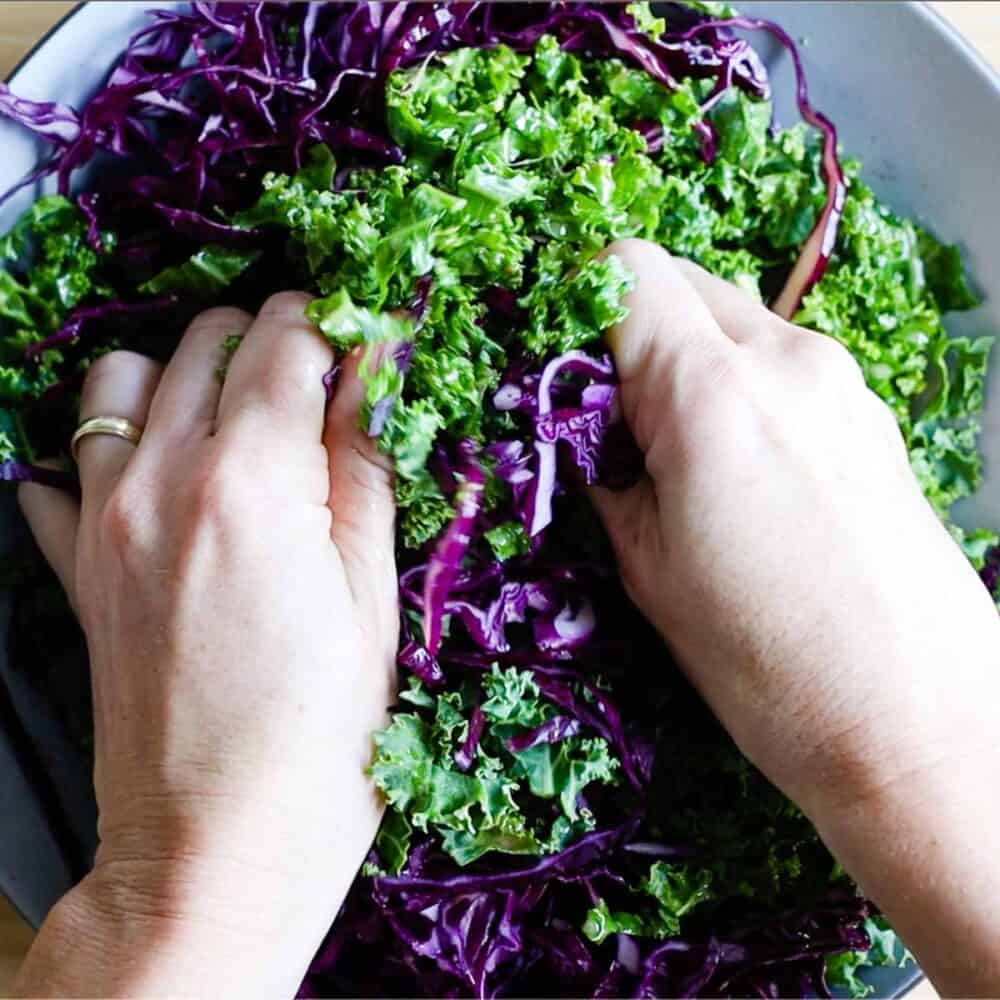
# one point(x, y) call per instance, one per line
point(235, 579)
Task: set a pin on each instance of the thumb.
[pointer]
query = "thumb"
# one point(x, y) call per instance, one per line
point(632, 520)
point(665, 344)
point(361, 495)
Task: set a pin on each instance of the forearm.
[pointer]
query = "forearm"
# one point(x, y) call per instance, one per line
point(173, 935)
point(925, 848)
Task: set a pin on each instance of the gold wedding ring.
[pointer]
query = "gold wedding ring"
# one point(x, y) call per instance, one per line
point(115, 426)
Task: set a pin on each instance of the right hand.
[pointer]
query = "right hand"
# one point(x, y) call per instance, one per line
point(780, 541)
point(781, 545)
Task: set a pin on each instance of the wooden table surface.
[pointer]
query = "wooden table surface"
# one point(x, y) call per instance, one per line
point(23, 22)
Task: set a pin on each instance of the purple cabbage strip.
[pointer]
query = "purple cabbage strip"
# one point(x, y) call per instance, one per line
point(655, 850)
point(554, 731)
point(819, 246)
point(569, 629)
point(599, 714)
point(652, 132)
point(582, 430)
point(512, 465)
point(87, 203)
point(56, 123)
point(990, 573)
point(25, 472)
point(198, 227)
point(421, 301)
point(486, 625)
point(567, 863)
point(331, 378)
point(74, 323)
point(540, 490)
point(418, 661)
point(450, 549)
point(401, 353)
point(465, 756)
point(38, 173)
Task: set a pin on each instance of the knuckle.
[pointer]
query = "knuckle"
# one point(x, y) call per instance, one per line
point(284, 385)
point(695, 272)
point(825, 355)
point(884, 417)
point(215, 324)
point(285, 307)
point(296, 366)
point(640, 257)
point(369, 483)
point(296, 356)
point(115, 365)
point(217, 487)
point(721, 376)
point(126, 518)
point(633, 246)
point(709, 401)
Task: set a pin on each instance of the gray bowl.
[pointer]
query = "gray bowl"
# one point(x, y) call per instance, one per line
point(909, 97)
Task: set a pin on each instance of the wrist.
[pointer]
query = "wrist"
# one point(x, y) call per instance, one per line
point(257, 868)
point(909, 755)
point(922, 847)
point(180, 926)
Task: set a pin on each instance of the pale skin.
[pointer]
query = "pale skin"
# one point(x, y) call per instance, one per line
point(778, 541)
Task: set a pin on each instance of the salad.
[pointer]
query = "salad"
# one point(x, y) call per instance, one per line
point(564, 815)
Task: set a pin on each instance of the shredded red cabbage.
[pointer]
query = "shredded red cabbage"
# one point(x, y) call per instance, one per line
point(816, 252)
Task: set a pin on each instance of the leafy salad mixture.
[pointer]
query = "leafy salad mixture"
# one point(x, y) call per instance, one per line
point(564, 815)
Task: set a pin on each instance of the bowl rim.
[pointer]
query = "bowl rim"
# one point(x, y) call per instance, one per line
point(921, 8)
point(43, 39)
point(956, 38)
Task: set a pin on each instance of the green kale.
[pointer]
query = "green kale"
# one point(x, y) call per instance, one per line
point(228, 348)
point(667, 894)
point(944, 274)
point(520, 169)
point(393, 840)
point(885, 949)
point(590, 299)
point(47, 268)
point(508, 540)
point(423, 509)
point(204, 274)
point(482, 809)
point(842, 970)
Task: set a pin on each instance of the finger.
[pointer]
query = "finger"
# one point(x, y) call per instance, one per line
point(275, 379)
point(120, 384)
point(739, 315)
point(187, 397)
point(667, 317)
point(361, 496)
point(54, 518)
point(630, 519)
point(666, 342)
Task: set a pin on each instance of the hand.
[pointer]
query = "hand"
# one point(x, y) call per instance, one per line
point(782, 546)
point(234, 576)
